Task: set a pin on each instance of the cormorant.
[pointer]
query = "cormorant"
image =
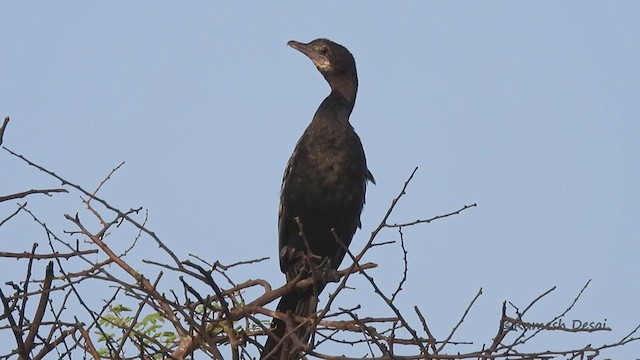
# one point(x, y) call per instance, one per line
point(323, 190)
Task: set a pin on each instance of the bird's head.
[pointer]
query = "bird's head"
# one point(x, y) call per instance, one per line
point(330, 58)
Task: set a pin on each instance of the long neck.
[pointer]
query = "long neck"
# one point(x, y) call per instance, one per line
point(335, 109)
point(345, 86)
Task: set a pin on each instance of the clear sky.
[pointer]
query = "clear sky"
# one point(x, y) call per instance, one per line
point(529, 109)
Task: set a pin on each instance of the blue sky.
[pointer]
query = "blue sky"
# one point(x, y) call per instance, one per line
point(529, 109)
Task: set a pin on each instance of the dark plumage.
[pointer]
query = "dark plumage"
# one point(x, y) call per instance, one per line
point(323, 188)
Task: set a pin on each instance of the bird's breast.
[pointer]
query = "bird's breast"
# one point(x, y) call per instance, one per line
point(330, 171)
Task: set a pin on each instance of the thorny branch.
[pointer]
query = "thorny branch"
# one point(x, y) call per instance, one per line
point(213, 318)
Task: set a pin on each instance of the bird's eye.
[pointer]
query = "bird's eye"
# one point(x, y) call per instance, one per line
point(324, 50)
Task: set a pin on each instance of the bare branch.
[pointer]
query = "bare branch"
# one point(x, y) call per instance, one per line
point(405, 268)
point(19, 195)
point(225, 318)
point(12, 214)
point(437, 217)
point(57, 255)
point(103, 202)
point(3, 128)
point(37, 318)
point(17, 331)
point(455, 328)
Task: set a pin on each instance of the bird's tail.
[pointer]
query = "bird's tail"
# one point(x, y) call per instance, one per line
point(280, 345)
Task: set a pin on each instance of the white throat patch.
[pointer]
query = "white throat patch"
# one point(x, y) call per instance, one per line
point(323, 65)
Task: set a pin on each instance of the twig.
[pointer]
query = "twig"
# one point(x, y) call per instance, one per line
point(57, 255)
point(405, 269)
point(19, 195)
point(432, 340)
point(17, 331)
point(37, 319)
point(104, 181)
point(437, 217)
point(12, 214)
point(103, 202)
point(146, 285)
point(3, 128)
point(464, 315)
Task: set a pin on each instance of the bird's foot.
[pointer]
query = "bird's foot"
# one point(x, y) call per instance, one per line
point(298, 261)
point(302, 260)
point(291, 255)
point(323, 271)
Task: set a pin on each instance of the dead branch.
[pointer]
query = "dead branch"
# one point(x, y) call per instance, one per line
point(222, 316)
point(57, 255)
point(3, 128)
point(19, 195)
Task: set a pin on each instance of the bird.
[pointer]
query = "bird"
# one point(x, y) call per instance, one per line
point(322, 194)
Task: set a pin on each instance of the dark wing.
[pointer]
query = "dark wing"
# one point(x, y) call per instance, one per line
point(285, 228)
